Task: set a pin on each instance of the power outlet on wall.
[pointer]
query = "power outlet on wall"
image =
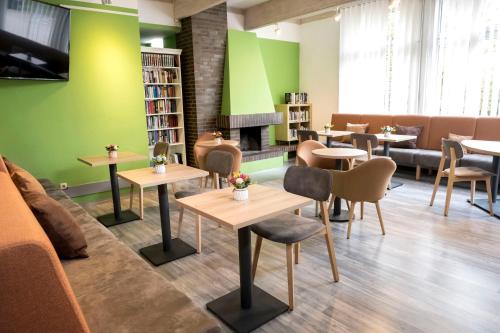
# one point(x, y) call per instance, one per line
point(63, 186)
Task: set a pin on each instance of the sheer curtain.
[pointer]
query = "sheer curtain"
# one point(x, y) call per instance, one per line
point(379, 57)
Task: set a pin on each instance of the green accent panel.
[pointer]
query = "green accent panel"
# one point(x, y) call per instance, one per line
point(92, 5)
point(166, 29)
point(270, 163)
point(46, 125)
point(170, 42)
point(247, 90)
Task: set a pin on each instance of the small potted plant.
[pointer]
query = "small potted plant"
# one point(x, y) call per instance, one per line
point(240, 181)
point(387, 130)
point(160, 163)
point(217, 137)
point(112, 150)
point(328, 128)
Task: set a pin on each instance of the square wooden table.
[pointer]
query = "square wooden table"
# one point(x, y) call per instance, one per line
point(248, 307)
point(118, 216)
point(169, 249)
point(393, 138)
point(333, 134)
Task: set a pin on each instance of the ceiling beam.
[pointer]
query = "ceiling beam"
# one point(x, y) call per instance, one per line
point(274, 11)
point(185, 8)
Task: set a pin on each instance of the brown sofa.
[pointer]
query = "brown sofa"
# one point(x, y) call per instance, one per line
point(113, 290)
point(435, 128)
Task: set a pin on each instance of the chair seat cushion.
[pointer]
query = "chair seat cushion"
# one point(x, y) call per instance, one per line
point(403, 156)
point(469, 172)
point(287, 228)
point(183, 194)
point(337, 144)
point(364, 159)
point(428, 158)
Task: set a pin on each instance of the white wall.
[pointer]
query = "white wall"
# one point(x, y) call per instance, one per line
point(157, 12)
point(319, 68)
point(117, 3)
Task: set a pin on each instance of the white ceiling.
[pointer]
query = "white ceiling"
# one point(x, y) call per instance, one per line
point(243, 4)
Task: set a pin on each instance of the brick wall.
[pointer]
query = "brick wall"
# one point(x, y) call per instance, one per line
point(203, 42)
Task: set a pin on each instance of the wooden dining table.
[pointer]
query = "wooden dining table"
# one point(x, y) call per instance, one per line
point(213, 143)
point(488, 148)
point(248, 307)
point(330, 135)
point(338, 214)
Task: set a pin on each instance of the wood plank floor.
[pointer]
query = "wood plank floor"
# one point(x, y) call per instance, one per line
point(428, 274)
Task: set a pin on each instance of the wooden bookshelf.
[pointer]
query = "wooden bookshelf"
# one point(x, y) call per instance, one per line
point(161, 73)
point(295, 117)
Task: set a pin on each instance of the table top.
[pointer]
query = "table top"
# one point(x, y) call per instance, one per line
point(146, 177)
point(482, 146)
point(264, 202)
point(123, 156)
point(395, 137)
point(213, 143)
point(340, 153)
point(334, 134)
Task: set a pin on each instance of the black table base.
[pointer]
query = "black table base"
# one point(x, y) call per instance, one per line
point(169, 249)
point(393, 185)
point(483, 204)
point(158, 256)
point(341, 217)
point(264, 308)
point(110, 220)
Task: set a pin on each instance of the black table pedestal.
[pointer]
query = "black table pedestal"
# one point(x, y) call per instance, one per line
point(483, 203)
point(169, 249)
point(387, 146)
point(248, 307)
point(118, 216)
point(338, 214)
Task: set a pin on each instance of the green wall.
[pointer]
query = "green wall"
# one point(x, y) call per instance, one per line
point(45, 126)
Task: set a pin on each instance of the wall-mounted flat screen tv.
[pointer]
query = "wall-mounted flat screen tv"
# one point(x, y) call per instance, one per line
point(34, 40)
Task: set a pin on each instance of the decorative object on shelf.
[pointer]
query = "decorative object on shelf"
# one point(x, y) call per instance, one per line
point(160, 163)
point(328, 128)
point(295, 117)
point(240, 181)
point(387, 130)
point(296, 98)
point(217, 137)
point(112, 150)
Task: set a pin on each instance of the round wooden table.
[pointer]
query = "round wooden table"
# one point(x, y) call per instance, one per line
point(339, 215)
point(487, 148)
point(213, 143)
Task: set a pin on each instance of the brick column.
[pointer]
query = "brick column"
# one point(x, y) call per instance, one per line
point(203, 42)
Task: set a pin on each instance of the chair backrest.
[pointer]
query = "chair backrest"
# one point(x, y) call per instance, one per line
point(200, 153)
point(364, 141)
point(305, 156)
point(235, 151)
point(304, 135)
point(161, 148)
point(456, 146)
point(367, 182)
point(220, 162)
point(309, 182)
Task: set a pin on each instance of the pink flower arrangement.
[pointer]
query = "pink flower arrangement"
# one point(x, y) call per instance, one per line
point(239, 180)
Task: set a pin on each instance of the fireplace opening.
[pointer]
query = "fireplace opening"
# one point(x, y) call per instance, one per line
point(250, 139)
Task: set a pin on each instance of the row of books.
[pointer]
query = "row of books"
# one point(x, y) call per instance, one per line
point(159, 60)
point(162, 121)
point(293, 131)
point(299, 115)
point(176, 158)
point(159, 91)
point(161, 106)
point(159, 75)
point(296, 98)
point(169, 136)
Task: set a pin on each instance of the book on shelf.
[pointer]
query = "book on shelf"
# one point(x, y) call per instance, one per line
point(159, 60)
point(159, 91)
point(161, 106)
point(296, 98)
point(298, 115)
point(176, 158)
point(159, 75)
point(162, 121)
point(168, 136)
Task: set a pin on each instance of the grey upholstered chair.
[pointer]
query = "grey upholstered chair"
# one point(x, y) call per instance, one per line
point(290, 229)
point(304, 135)
point(453, 152)
point(218, 162)
point(161, 148)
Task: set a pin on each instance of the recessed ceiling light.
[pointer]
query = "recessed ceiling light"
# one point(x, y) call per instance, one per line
point(338, 15)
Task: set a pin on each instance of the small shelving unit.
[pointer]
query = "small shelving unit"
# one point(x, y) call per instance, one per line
point(161, 73)
point(295, 117)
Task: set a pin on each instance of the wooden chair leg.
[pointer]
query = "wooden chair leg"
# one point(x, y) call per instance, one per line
point(351, 215)
point(472, 191)
point(490, 200)
point(347, 204)
point(316, 209)
point(201, 182)
point(179, 227)
point(198, 234)
point(174, 189)
point(329, 243)
point(330, 205)
point(131, 205)
point(418, 172)
point(436, 186)
point(379, 213)
point(141, 202)
point(362, 209)
point(256, 252)
point(449, 190)
point(297, 251)
point(289, 266)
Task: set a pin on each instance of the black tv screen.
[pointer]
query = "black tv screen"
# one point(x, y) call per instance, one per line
point(34, 40)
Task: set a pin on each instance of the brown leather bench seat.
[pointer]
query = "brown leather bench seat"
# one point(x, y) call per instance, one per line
point(428, 151)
